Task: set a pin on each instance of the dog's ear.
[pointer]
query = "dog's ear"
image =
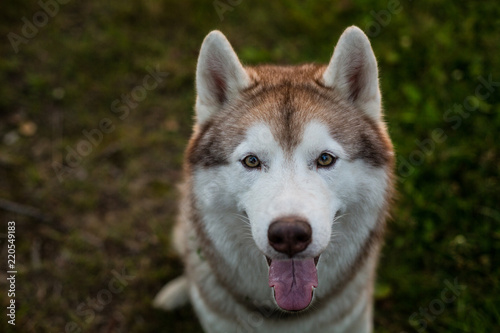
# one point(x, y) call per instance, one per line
point(353, 71)
point(219, 75)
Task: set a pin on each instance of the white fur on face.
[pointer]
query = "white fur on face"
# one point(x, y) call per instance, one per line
point(293, 185)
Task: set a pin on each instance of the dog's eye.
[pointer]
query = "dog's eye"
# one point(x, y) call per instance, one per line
point(326, 160)
point(251, 161)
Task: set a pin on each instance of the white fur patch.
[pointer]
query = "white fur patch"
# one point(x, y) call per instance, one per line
point(290, 185)
point(294, 186)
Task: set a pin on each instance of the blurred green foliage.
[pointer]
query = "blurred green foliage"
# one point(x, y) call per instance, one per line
point(115, 208)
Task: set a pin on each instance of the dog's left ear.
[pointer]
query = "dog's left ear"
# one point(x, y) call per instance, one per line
point(353, 71)
point(219, 75)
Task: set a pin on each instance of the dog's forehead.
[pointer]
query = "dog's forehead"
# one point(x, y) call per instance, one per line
point(287, 108)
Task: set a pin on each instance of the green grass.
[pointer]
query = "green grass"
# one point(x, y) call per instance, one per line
point(114, 210)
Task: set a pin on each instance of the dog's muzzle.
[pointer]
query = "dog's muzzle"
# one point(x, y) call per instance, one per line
point(293, 279)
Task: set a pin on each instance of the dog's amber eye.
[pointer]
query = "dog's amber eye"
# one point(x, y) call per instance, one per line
point(251, 161)
point(325, 160)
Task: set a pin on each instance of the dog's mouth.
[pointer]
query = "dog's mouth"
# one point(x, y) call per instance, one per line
point(293, 281)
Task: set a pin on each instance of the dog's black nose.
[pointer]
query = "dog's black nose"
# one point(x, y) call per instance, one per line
point(289, 235)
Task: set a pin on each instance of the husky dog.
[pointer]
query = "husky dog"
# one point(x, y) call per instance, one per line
point(288, 183)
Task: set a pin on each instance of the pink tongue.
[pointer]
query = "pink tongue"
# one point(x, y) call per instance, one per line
point(293, 281)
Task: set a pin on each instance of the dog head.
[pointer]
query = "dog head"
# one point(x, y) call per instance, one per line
point(291, 150)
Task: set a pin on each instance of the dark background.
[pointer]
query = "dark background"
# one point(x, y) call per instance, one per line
point(95, 227)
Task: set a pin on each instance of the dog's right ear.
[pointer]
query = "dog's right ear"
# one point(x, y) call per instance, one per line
point(219, 75)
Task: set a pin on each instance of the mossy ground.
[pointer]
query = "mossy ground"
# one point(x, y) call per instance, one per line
point(112, 212)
